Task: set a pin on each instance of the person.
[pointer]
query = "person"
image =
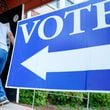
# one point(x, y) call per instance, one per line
point(4, 33)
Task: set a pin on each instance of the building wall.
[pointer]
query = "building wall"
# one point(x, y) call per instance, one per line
point(52, 6)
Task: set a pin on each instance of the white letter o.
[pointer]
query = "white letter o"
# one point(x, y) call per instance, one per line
point(59, 27)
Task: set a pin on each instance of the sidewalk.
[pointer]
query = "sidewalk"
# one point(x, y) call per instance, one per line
point(13, 106)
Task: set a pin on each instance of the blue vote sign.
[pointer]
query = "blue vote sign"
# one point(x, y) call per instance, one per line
point(65, 50)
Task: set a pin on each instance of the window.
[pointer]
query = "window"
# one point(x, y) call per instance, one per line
point(69, 2)
point(61, 3)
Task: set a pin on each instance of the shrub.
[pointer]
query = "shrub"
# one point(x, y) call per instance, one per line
point(99, 99)
point(26, 97)
point(64, 98)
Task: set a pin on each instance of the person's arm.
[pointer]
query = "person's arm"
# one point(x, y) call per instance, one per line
point(11, 37)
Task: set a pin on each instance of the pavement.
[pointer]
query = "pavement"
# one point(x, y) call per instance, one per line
point(13, 106)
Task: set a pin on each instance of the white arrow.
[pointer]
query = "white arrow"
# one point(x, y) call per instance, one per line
point(92, 58)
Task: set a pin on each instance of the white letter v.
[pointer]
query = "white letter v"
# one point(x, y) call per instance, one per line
point(27, 35)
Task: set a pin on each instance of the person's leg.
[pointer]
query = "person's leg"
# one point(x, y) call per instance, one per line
point(2, 91)
point(3, 58)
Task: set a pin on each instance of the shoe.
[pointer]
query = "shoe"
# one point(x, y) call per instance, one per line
point(4, 101)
